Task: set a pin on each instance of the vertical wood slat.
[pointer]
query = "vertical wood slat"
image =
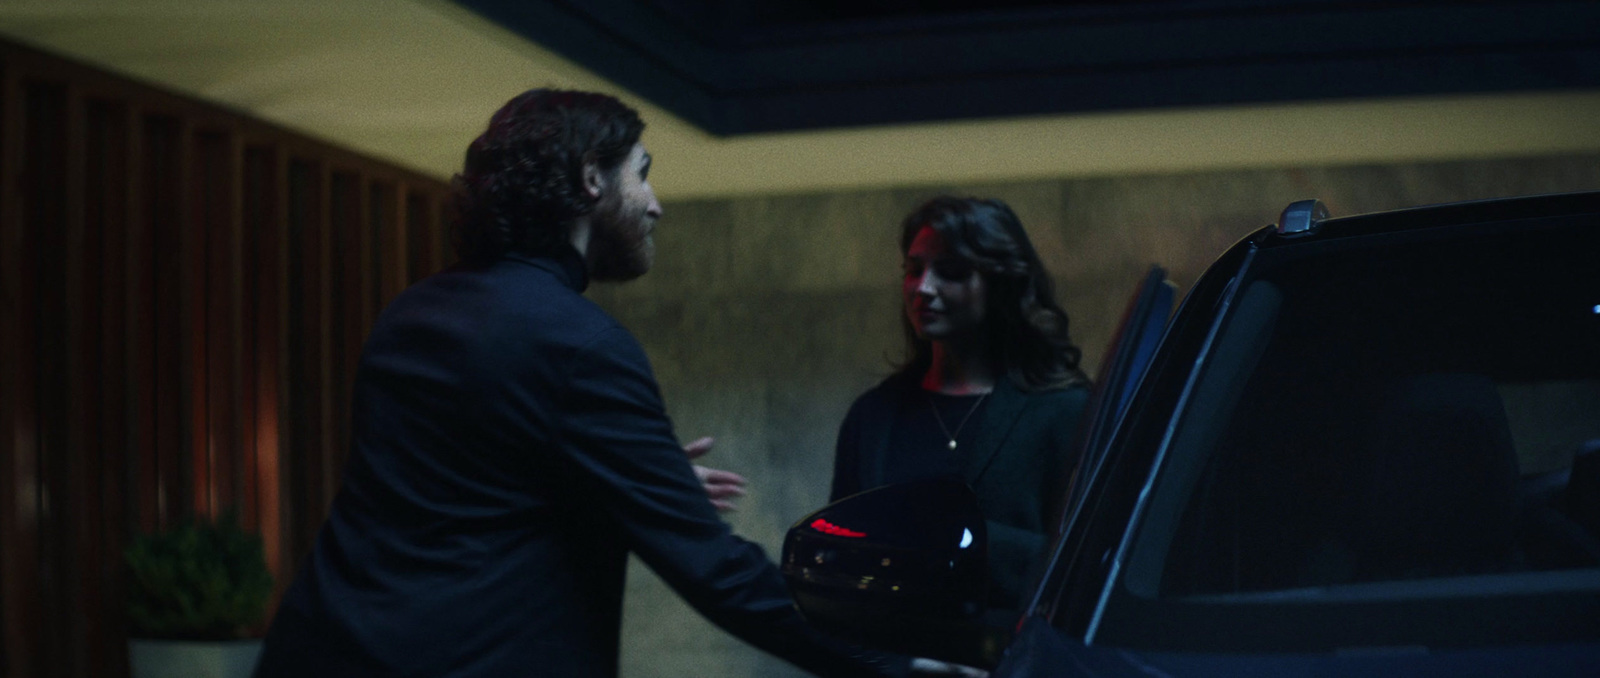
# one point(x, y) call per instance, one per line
point(326, 394)
point(19, 514)
point(311, 326)
point(46, 177)
point(265, 202)
point(107, 203)
point(216, 214)
point(365, 297)
point(352, 252)
point(244, 392)
point(10, 356)
point(444, 251)
point(150, 313)
point(237, 438)
point(144, 488)
point(388, 208)
point(192, 244)
point(301, 415)
point(81, 445)
point(250, 209)
point(378, 266)
point(163, 214)
point(421, 243)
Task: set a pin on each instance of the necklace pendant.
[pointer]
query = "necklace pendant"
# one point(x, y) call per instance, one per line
point(952, 444)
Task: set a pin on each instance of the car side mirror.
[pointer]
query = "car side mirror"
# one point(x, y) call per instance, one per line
point(902, 568)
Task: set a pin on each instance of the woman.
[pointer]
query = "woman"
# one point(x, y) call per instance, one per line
point(991, 392)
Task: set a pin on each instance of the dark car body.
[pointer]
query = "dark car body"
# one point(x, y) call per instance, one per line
point(1362, 446)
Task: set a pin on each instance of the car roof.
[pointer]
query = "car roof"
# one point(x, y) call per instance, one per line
point(1302, 222)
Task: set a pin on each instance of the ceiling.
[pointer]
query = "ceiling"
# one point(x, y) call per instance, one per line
point(791, 96)
point(739, 67)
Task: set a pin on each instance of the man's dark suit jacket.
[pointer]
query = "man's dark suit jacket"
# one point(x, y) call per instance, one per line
point(510, 448)
point(1019, 467)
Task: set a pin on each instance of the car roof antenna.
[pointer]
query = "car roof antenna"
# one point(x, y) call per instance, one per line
point(1301, 217)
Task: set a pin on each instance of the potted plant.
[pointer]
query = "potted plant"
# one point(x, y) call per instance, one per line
point(195, 592)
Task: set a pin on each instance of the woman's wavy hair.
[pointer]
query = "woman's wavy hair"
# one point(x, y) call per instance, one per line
point(1027, 330)
point(522, 183)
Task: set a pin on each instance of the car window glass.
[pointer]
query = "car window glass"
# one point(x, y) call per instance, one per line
point(1079, 559)
point(1414, 409)
point(1131, 352)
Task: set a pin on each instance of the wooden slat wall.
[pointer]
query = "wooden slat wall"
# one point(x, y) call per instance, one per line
point(183, 296)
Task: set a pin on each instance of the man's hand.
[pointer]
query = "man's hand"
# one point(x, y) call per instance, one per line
point(723, 487)
point(922, 666)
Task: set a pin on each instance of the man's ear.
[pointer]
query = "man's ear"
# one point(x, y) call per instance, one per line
point(594, 180)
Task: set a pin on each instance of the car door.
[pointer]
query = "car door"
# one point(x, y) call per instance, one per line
point(1133, 346)
point(1378, 458)
point(1139, 385)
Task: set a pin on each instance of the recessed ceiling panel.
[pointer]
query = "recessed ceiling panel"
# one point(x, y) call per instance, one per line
point(735, 67)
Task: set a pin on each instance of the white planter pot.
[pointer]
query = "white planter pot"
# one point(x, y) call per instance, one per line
point(193, 658)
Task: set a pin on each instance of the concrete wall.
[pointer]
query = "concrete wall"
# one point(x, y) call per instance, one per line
point(766, 316)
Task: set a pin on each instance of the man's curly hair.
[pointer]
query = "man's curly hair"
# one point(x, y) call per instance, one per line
point(522, 183)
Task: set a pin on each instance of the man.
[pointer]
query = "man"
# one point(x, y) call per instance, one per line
point(510, 446)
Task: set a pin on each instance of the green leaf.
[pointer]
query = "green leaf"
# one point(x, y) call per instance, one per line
point(201, 579)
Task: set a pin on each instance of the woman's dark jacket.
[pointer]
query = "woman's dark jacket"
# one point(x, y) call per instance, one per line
point(1019, 465)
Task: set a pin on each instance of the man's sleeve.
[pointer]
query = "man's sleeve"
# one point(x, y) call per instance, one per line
point(615, 430)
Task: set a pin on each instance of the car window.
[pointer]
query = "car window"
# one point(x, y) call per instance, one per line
point(1131, 351)
point(1415, 418)
point(1107, 483)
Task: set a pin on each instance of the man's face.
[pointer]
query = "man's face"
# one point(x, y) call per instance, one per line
point(620, 243)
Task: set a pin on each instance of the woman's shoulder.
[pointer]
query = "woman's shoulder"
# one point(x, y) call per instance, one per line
point(1076, 389)
point(893, 387)
point(882, 396)
point(1074, 395)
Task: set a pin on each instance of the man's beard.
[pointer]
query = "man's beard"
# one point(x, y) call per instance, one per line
point(620, 248)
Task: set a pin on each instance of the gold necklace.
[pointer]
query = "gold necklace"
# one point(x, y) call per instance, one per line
point(940, 419)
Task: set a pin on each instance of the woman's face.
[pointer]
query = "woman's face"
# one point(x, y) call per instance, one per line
point(943, 293)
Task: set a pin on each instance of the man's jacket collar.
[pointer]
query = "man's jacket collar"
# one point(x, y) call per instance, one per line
point(566, 264)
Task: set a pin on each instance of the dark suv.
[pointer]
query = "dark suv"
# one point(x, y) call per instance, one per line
point(1362, 446)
